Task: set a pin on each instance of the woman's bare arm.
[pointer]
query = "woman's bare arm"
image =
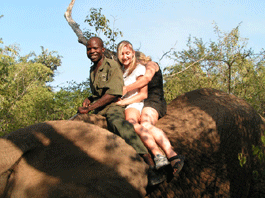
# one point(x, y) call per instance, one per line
point(151, 68)
point(142, 94)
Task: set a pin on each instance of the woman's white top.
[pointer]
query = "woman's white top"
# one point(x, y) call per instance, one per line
point(129, 79)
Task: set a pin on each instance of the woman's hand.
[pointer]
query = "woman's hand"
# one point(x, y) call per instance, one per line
point(120, 102)
point(125, 91)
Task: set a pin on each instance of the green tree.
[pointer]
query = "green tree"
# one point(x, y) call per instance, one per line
point(101, 25)
point(226, 64)
point(69, 98)
point(50, 59)
point(24, 96)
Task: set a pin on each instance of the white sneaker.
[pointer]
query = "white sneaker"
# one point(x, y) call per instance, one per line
point(160, 161)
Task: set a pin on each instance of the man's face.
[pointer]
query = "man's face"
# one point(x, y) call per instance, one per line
point(94, 50)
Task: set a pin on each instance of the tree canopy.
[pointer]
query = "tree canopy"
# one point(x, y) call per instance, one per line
point(25, 96)
point(226, 64)
point(101, 25)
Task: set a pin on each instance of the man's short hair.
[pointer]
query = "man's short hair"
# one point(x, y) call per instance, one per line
point(97, 38)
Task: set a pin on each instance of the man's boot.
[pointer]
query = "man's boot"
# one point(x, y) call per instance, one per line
point(154, 176)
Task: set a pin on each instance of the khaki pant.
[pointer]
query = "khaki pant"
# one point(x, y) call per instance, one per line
point(121, 127)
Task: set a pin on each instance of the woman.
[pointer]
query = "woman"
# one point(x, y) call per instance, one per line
point(133, 99)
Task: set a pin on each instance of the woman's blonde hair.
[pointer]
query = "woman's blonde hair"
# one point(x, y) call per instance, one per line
point(141, 57)
point(120, 47)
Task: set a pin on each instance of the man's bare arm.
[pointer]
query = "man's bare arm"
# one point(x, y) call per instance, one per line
point(104, 100)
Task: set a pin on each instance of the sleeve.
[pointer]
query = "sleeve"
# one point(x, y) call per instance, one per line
point(140, 70)
point(114, 84)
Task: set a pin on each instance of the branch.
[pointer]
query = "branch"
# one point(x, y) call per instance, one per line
point(203, 58)
point(81, 38)
point(167, 52)
point(74, 25)
point(174, 74)
point(191, 65)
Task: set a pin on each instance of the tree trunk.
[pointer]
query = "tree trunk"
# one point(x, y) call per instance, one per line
point(81, 38)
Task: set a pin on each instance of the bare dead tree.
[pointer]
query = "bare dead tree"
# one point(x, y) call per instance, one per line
point(73, 24)
point(81, 38)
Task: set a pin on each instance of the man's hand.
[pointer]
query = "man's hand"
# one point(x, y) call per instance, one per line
point(86, 102)
point(104, 100)
point(83, 110)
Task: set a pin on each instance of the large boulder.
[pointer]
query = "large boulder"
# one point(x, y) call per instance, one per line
point(211, 128)
point(69, 159)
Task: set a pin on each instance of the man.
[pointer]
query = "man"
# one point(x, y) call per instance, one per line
point(106, 83)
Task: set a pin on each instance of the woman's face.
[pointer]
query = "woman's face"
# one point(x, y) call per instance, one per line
point(126, 56)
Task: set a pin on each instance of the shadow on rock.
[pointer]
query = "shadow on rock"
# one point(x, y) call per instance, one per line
point(69, 159)
point(211, 128)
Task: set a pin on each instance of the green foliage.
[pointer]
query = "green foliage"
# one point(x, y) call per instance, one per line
point(50, 59)
point(242, 159)
point(259, 153)
point(102, 25)
point(25, 98)
point(69, 98)
point(226, 64)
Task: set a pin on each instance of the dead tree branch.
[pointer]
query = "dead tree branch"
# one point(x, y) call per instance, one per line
point(81, 38)
point(73, 24)
point(190, 65)
point(167, 52)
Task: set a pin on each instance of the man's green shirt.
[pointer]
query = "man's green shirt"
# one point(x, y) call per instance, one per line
point(108, 79)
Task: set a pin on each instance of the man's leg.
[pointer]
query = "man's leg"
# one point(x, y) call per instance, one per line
point(118, 125)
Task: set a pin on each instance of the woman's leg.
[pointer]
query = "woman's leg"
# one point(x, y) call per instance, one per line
point(149, 117)
point(133, 116)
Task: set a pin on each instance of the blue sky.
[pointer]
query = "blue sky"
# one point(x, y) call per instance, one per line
point(153, 26)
